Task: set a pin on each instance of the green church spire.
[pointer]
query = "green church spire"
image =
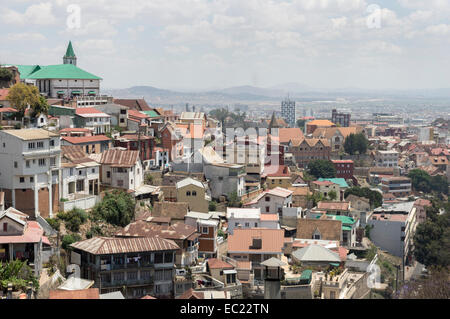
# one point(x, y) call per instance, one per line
point(69, 52)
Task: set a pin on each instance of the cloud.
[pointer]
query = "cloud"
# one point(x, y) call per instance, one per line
point(39, 14)
point(26, 36)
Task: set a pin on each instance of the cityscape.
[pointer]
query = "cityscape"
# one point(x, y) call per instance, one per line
point(113, 186)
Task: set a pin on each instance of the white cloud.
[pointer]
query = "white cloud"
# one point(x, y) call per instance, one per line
point(26, 36)
point(39, 14)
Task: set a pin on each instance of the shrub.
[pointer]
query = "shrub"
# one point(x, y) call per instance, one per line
point(212, 206)
point(54, 223)
point(73, 219)
point(116, 208)
point(68, 240)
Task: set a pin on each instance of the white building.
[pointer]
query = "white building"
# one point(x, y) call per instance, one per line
point(121, 169)
point(245, 218)
point(80, 179)
point(386, 159)
point(272, 201)
point(29, 170)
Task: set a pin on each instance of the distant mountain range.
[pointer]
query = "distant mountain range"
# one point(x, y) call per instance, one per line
point(249, 93)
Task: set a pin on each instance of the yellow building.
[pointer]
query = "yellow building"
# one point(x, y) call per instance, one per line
point(194, 193)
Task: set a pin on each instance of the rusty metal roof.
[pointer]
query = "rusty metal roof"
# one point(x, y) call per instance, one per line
point(111, 245)
point(119, 158)
point(143, 228)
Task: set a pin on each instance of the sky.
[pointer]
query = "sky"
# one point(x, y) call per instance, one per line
point(202, 44)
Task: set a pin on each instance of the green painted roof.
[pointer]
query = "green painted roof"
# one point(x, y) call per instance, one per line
point(340, 181)
point(69, 52)
point(306, 274)
point(346, 228)
point(347, 222)
point(151, 113)
point(62, 71)
point(27, 70)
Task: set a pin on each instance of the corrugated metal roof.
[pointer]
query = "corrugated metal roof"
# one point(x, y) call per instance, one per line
point(108, 245)
point(119, 158)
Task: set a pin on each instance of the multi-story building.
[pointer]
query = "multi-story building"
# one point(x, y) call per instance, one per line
point(134, 142)
point(29, 174)
point(344, 168)
point(80, 179)
point(117, 112)
point(135, 266)
point(386, 158)
point(91, 118)
point(341, 119)
point(62, 80)
point(194, 193)
point(397, 186)
point(288, 112)
point(393, 228)
point(208, 227)
point(90, 144)
point(256, 245)
point(244, 218)
point(310, 149)
point(224, 179)
point(273, 201)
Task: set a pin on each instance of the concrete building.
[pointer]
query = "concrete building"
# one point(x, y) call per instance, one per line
point(29, 174)
point(225, 179)
point(386, 158)
point(341, 119)
point(397, 186)
point(140, 266)
point(245, 218)
point(393, 228)
point(194, 193)
point(273, 201)
point(93, 119)
point(288, 112)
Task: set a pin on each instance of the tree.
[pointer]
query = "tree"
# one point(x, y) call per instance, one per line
point(116, 208)
point(301, 124)
point(375, 198)
point(432, 239)
point(18, 273)
point(422, 181)
point(220, 115)
point(5, 75)
point(356, 144)
point(322, 168)
point(212, 206)
point(68, 240)
point(21, 95)
point(332, 195)
point(315, 198)
point(434, 286)
point(41, 107)
point(73, 219)
point(234, 200)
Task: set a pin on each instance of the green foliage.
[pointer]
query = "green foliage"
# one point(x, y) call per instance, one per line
point(221, 233)
point(67, 240)
point(301, 124)
point(116, 208)
point(356, 144)
point(367, 230)
point(94, 231)
point(148, 179)
point(375, 198)
point(234, 200)
point(18, 273)
point(40, 107)
point(21, 95)
point(212, 206)
point(332, 195)
point(6, 75)
point(371, 252)
point(423, 182)
point(315, 198)
point(322, 168)
point(73, 219)
point(432, 239)
point(54, 223)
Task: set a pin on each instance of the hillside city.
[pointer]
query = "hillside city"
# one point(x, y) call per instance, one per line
point(106, 196)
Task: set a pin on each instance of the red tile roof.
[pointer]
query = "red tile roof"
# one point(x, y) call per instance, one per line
point(88, 110)
point(214, 263)
point(242, 240)
point(269, 217)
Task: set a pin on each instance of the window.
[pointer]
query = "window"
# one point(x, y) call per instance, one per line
point(267, 209)
point(205, 230)
point(27, 164)
point(256, 224)
point(22, 179)
point(119, 182)
point(132, 275)
point(5, 227)
point(31, 146)
point(119, 276)
point(108, 174)
point(42, 162)
point(188, 193)
point(15, 164)
point(52, 143)
point(247, 224)
point(31, 179)
point(194, 193)
point(236, 224)
point(267, 199)
point(40, 144)
point(131, 182)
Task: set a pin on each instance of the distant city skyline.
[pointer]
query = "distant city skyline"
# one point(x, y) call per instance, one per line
point(203, 44)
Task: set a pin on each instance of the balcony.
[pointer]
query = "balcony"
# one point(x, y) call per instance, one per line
point(133, 282)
